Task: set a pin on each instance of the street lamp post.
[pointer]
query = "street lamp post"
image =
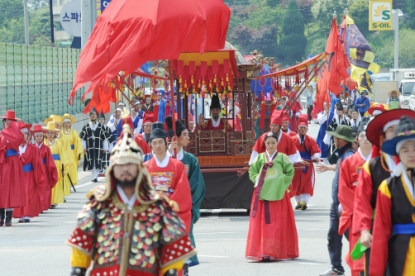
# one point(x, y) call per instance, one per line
point(396, 15)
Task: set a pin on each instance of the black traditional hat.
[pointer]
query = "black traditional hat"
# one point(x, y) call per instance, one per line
point(405, 131)
point(363, 125)
point(215, 102)
point(339, 105)
point(180, 127)
point(157, 131)
point(101, 115)
point(93, 110)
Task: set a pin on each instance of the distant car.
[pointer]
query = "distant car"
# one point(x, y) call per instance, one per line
point(380, 77)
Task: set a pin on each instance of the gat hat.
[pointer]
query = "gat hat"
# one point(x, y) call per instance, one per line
point(364, 91)
point(363, 125)
point(92, 110)
point(180, 127)
point(148, 118)
point(51, 127)
point(68, 118)
point(339, 106)
point(397, 93)
point(157, 131)
point(276, 117)
point(126, 151)
point(101, 115)
point(38, 129)
point(10, 115)
point(405, 131)
point(303, 120)
point(379, 124)
point(376, 109)
point(53, 118)
point(24, 127)
point(342, 132)
point(215, 102)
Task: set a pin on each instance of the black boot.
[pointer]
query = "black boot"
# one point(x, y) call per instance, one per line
point(9, 218)
point(1, 216)
point(185, 271)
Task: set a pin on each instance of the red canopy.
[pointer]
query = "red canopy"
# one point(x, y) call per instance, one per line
point(130, 32)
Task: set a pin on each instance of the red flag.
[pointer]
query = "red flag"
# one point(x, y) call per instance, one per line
point(333, 70)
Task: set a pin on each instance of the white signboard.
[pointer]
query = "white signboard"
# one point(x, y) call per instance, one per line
point(70, 17)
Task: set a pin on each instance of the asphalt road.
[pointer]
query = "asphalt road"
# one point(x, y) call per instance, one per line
point(38, 247)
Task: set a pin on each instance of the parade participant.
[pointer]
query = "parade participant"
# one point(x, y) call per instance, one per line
point(285, 144)
point(58, 123)
point(294, 110)
point(161, 103)
point(302, 187)
point(282, 103)
point(355, 121)
point(124, 111)
point(168, 175)
point(363, 103)
point(95, 142)
point(12, 188)
point(349, 172)
point(148, 106)
point(272, 232)
point(34, 177)
point(338, 120)
point(192, 125)
point(63, 165)
point(147, 121)
point(310, 102)
point(145, 148)
point(137, 121)
point(393, 100)
point(139, 108)
point(353, 95)
point(380, 167)
point(71, 141)
point(194, 174)
point(343, 141)
point(51, 172)
point(127, 203)
point(114, 124)
point(376, 109)
point(215, 123)
point(106, 155)
point(324, 118)
point(394, 225)
point(285, 126)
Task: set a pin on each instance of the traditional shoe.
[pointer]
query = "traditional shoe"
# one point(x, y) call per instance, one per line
point(21, 220)
point(8, 223)
point(26, 220)
point(185, 271)
point(266, 259)
point(95, 180)
point(53, 206)
point(303, 206)
point(298, 207)
point(1, 222)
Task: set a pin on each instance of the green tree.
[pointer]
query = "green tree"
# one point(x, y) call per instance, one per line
point(410, 14)
point(359, 11)
point(323, 13)
point(273, 3)
point(293, 41)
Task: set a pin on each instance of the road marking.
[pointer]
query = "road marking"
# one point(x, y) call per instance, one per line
point(215, 233)
point(213, 256)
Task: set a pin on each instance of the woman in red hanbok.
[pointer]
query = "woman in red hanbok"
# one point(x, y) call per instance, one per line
point(272, 232)
point(50, 170)
point(34, 177)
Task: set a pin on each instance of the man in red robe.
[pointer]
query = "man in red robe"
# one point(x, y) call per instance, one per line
point(147, 121)
point(49, 169)
point(285, 144)
point(350, 169)
point(302, 187)
point(378, 168)
point(34, 177)
point(138, 139)
point(12, 190)
point(285, 126)
point(168, 175)
point(215, 123)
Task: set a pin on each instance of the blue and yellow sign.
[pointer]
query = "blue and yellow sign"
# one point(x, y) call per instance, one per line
point(380, 15)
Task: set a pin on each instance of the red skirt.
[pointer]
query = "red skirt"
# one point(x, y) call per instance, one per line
point(32, 207)
point(277, 240)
